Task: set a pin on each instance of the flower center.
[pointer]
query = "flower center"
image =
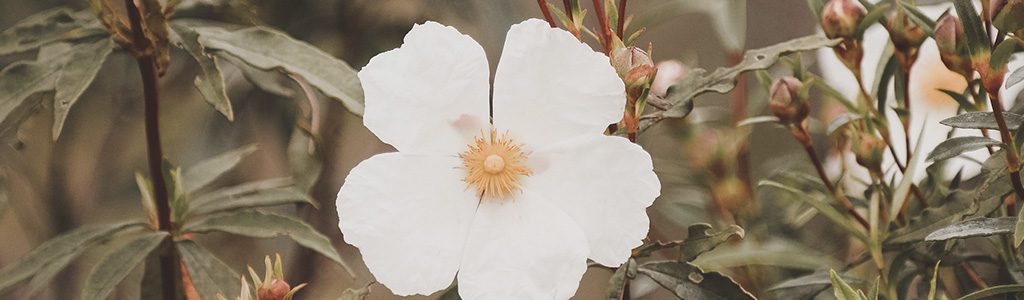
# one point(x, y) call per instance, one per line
point(494, 166)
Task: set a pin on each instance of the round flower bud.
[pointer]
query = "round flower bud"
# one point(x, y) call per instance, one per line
point(785, 101)
point(633, 65)
point(952, 44)
point(904, 33)
point(277, 290)
point(868, 151)
point(840, 18)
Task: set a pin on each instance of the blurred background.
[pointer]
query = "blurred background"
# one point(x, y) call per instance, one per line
point(86, 176)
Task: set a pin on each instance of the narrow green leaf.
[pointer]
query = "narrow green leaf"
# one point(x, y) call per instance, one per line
point(841, 289)
point(50, 254)
point(18, 81)
point(1018, 231)
point(40, 29)
point(778, 253)
point(617, 283)
point(955, 146)
point(816, 6)
point(211, 84)
point(953, 207)
point(823, 207)
point(360, 294)
point(75, 75)
point(920, 19)
point(261, 193)
point(267, 49)
point(702, 239)
point(820, 278)
point(1015, 77)
point(115, 266)
point(890, 69)
point(258, 224)
point(992, 291)
point(1003, 53)
point(45, 275)
point(209, 274)
point(841, 120)
point(206, 171)
point(973, 228)
point(151, 285)
point(687, 281)
point(960, 99)
point(833, 94)
point(983, 119)
point(977, 39)
point(305, 158)
point(272, 82)
point(758, 120)
point(871, 18)
point(451, 294)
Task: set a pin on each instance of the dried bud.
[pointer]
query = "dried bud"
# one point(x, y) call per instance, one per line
point(1008, 15)
point(276, 291)
point(273, 286)
point(840, 18)
point(786, 101)
point(634, 66)
point(906, 37)
point(669, 71)
point(952, 44)
point(868, 151)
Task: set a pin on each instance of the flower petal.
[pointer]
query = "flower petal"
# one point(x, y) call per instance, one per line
point(409, 216)
point(525, 249)
point(605, 184)
point(430, 95)
point(550, 87)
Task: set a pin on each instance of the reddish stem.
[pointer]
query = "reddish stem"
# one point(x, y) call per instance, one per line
point(622, 18)
point(606, 29)
point(547, 14)
point(568, 9)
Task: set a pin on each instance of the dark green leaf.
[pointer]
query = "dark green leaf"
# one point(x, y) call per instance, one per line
point(995, 290)
point(622, 275)
point(44, 276)
point(151, 285)
point(451, 294)
point(871, 18)
point(973, 228)
point(52, 254)
point(723, 80)
point(960, 99)
point(983, 119)
point(75, 75)
point(211, 84)
point(305, 159)
point(701, 239)
point(261, 193)
point(113, 267)
point(258, 224)
point(777, 253)
point(1018, 230)
point(842, 290)
point(273, 82)
point(206, 171)
point(209, 274)
point(841, 120)
point(360, 294)
point(933, 218)
point(977, 39)
point(1015, 77)
point(267, 49)
point(41, 28)
point(955, 146)
point(1003, 53)
point(891, 68)
point(816, 281)
point(920, 19)
point(687, 281)
point(824, 208)
point(18, 81)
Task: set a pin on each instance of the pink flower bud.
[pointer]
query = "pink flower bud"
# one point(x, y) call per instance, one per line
point(904, 33)
point(633, 65)
point(840, 18)
point(786, 103)
point(952, 44)
point(669, 71)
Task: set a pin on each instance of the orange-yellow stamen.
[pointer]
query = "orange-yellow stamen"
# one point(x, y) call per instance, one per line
point(494, 166)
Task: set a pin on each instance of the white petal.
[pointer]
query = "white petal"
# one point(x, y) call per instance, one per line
point(525, 249)
point(430, 95)
point(550, 87)
point(605, 184)
point(409, 216)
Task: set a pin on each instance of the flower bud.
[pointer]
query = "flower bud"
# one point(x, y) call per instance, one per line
point(868, 151)
point(633, 65)
point(906, 37)
point(840, 18)
point(786, 102)
point(952, 44)
point(669, 71)
point(1008, 15)
point(276, 290)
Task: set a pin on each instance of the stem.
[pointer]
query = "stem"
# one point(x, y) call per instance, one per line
point(1012, 157)
point(739, 112)
point(547, 14)
point(568, 9)
point(824, 178)
point(906, 106)
point(147, 69)
point(606, 29)
point(622, 18)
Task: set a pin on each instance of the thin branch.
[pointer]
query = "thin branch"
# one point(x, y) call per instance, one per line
point(547, 14)
point(824, 178)
point(622, 18)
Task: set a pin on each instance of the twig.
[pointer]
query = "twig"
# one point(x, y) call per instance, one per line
point(824, 178)
point(547, 14)
point(622, 18)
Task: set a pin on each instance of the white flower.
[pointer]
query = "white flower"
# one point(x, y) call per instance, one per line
point(514, 208)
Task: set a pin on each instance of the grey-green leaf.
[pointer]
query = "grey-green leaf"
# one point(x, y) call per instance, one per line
point(977, 39)
point(983, 119)
point(920, 19)
point(39, 29)
point(994, 290)
point(955, 146)
point(973, 228)
point(261, 193)
point(209, 274)
point(687, 281)
point(267, 49)
point(1015, 77)
point(206, 171)
point(49, 254)
point(953, 208)
point(211, 84)
point(258, 224)
point(82, 65)
point(115, 266)
point(18, 81)
point(360, 294)
point(842, 290)
point(701, 238)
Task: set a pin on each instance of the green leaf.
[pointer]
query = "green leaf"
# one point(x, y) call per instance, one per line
point(992, 291)
point(258, 224)
point(261, 193)
point(267, 49)
point(450, 294)
point(983, 119)
point(206, 171)
point(973, 228)
point(817, 6)
point(871, 18)
point(151, 285)
point(890, 69)
point(1018, 231)
point(933, 218)
point(211, 84)
point(723, 80)
point(841, 289)
point(622, 275)
point(920, 19)
point(824, 208)
point(777, 253)
point(955, 146)
point(76, 74)
point(305, 159)
point(805, 287)
point(115, 266)
point(977, 39)
point(209, 274)
point(841, 120)
point(1003, 53)
point(758, 120)
point(154, 26)
point(18, 81)
point(360, 294)
point(272, 82)
point(701, 239)
point(41, 28)
point(960, 99)
point(56, 253)
point(687, 281)
point(1015, 77)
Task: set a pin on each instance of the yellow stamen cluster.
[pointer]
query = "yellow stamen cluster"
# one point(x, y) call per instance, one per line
point(494, 166)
